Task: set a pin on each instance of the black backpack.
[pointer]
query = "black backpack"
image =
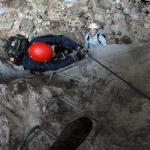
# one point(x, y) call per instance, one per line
point(13, 46)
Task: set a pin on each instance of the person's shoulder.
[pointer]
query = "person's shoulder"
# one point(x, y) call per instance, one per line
point(100, 31)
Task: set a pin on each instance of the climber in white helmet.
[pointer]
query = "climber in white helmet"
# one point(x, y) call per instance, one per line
point(95, 37)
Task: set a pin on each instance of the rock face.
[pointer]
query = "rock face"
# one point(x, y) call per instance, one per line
point(121, 112)
point(118, 18)
point(4, 131)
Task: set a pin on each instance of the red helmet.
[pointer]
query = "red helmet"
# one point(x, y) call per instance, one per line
point(40, 52)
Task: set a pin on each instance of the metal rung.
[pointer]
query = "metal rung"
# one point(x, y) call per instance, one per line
point(73, 78)
point(64, 99)
point(21, 146)
point(51, 74)
point(46, 107)
point(76, 108)
point(66, 68)
point(67, 76)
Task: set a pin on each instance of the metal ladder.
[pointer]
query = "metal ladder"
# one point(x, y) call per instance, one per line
point(60, 73)
point(65, 99)
point(31, 131)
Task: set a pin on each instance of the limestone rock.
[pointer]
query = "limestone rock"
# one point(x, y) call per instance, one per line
point(120, 110)
point(126, 40)
point(135, 13)
point(147, 25)
point(27, 25)
point(106, 3)
point(116, 106)
point(83, 2)
point(119, 25)
point(4, 130)
point(6, 24)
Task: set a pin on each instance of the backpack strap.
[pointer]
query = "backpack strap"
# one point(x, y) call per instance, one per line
point(88, 41)
point(98, 38)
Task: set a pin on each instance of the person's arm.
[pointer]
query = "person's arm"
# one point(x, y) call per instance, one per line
point(32, 65)
point(102, 40)
point(68, 43)
point(49, 39)
point(61, 40)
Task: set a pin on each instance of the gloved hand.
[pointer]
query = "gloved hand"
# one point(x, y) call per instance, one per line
point(85, 50)
point(80, 55)
point(82, 49)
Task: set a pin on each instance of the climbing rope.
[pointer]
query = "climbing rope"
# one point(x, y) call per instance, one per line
point(119, 77)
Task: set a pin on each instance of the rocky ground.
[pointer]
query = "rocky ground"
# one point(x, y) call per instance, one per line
point(122, 114)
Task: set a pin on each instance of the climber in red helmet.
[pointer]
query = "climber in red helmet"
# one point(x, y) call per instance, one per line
point(43, 53)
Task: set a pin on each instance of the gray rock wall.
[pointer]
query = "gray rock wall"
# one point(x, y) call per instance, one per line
point(119, 19)
point(122, 113)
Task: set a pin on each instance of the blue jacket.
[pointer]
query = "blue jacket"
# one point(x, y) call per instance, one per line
point(61, 40)
point(95, 41)
point(29, 64)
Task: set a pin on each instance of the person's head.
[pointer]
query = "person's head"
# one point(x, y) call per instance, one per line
point(13, 45)
point(93, 28)
point(40, 52)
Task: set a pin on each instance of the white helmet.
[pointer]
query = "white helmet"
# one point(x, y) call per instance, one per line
point(93, 25)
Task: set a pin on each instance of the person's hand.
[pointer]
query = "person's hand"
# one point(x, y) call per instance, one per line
point(12, 59)
point(85, 50)
point(53, 48)
point(66, 52)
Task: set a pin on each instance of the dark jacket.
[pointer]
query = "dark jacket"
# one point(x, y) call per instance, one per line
point(62, 43)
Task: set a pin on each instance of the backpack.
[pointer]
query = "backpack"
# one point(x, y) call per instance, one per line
point(13, 46)
point(97, 38)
